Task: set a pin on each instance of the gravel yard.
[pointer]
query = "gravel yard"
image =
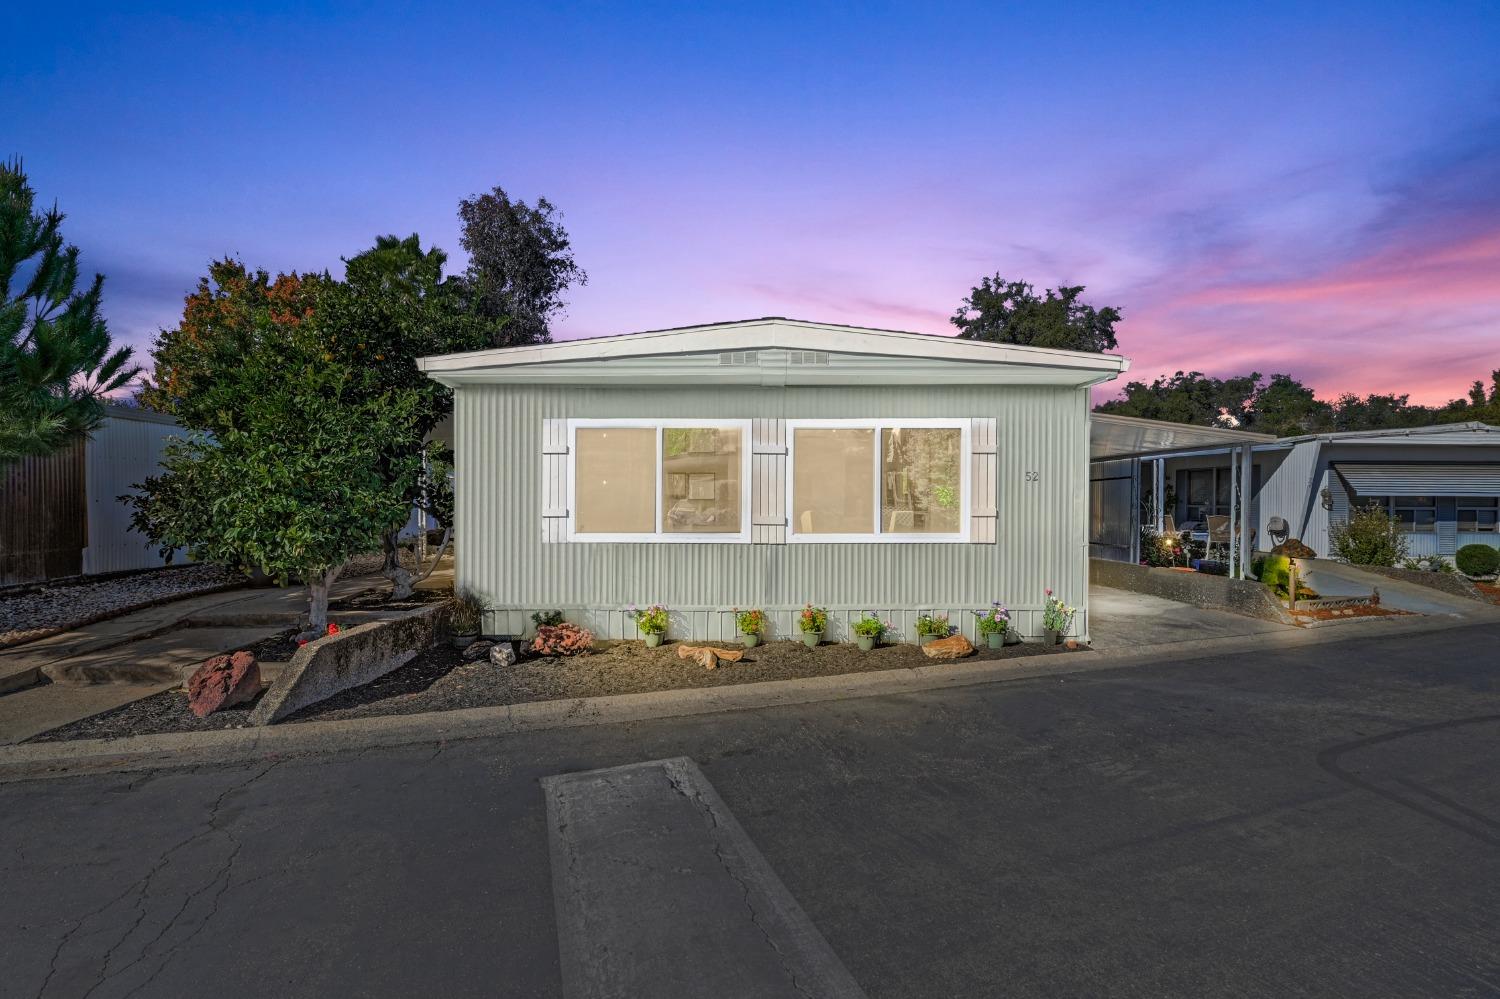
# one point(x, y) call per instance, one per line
point(440, 680)
point(37, 613)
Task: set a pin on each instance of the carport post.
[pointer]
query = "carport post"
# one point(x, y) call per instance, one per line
point(1158, 487)
point(1234, 499)
point(1247, 498)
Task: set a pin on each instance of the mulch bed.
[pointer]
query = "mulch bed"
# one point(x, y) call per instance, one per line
point(1341, 613)
point(1490, 590)
point(440, 680)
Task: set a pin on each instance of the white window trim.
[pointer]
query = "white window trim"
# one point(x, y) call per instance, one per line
point(965, 461)
point(659, 536)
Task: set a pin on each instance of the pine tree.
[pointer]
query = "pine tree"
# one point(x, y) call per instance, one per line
point(56, 357)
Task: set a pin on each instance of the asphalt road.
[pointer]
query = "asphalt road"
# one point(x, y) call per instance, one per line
point(1321, 822)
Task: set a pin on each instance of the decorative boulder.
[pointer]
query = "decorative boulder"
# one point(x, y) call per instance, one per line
point(707, 656)
point(1292, 548)
point(503, 654)
point(478, 650)
point(222, 682)
point(952, 647)
point(562, 640)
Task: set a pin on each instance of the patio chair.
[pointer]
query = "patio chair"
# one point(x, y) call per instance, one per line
point(1218, 534)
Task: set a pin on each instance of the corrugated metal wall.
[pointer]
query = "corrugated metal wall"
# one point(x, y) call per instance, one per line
point(43, 521)
point(124, 451)
point(1042, 523)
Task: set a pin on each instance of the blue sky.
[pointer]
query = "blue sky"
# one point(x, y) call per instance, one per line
point(1313, 189)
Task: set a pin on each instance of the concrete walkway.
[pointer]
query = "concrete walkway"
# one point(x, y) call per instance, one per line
point(78, 674)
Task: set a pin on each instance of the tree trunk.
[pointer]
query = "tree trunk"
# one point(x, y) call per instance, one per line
point(318, 586)
point(392, 569)
point(442, 550)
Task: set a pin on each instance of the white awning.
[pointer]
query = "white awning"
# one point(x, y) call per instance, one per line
point(1418, 479)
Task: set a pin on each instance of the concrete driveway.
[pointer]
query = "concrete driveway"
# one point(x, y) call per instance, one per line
point(1325, 820)
point(1122, 619)
point(1335, 579)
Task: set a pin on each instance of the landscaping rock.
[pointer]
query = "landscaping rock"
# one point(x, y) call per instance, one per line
point(503, 654)
point(707, 656)
point(478, 650)
point(1292, 548)
point(222, 682)
point(952, 647)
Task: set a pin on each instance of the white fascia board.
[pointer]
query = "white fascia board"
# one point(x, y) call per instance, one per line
point(774, 334)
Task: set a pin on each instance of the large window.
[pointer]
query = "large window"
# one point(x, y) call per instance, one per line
point(1417, 514)
point(859, 480)
point(662, 480)
point(1479, 514)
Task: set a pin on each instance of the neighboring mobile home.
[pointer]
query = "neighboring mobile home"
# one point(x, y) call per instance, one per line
point(61, 515)
point(771, 463)
point(1442, 482)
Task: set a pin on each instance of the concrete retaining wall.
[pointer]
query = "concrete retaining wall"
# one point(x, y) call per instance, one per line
point(1448, 582)
point(1237, 596)
point(349, 659)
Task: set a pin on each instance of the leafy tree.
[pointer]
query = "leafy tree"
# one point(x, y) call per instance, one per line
point(1002, 311)
point(1378, 412)
point(57, 361)
point(520, 262)
point(299, 481)
point(1287, 408)
point(228, 317)
point(1188, 397)
point(392, 307)
point(1478, 407)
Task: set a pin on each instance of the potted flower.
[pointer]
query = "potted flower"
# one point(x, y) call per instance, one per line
point(812, 622)
point(932, 626)
point(992, 624)
point(651, 622)
point(465, 615)
point(1056, 618)
point(752, 624)
point(867, 631)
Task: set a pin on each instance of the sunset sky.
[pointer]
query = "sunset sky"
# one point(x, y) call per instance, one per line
point(1305, 188)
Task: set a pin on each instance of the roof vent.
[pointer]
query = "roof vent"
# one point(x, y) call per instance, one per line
point(807, 357)
point(738, 357)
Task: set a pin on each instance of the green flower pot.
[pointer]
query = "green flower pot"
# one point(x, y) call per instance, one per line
point(812, 638)
point(653, 639)
point(1053, 637)
point(924, 639)
point(866, 642)
point(750, 641)
point(995, 639)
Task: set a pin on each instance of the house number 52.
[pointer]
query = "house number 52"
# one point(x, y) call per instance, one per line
point(1033, 477)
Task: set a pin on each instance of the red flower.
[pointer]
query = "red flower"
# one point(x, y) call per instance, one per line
point(333, 629)
point(301, 642)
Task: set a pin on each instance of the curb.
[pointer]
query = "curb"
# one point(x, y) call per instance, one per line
point(186, 749)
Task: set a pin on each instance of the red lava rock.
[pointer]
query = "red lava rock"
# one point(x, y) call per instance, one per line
point(223, 682)
point(952, 647)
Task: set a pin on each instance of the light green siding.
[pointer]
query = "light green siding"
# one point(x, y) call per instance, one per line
point(1042, 526)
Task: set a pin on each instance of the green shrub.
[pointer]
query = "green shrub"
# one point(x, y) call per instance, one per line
point(1478, 560)
point(1275, 570)
point(547, 618)
point(1369, 537)
point(1156, 550)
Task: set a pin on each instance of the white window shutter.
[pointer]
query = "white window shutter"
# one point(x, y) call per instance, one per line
point(768, 482)
point(983, 482)
point(554, 481)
